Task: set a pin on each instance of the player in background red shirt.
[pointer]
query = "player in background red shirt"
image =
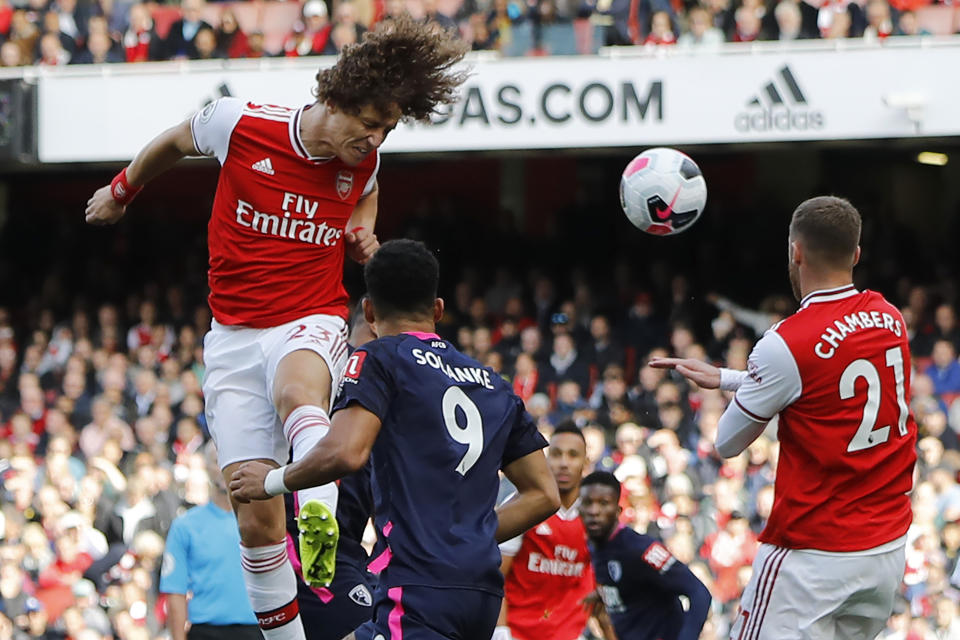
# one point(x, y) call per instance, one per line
point(297, 191)
point(837, 374)
point(547, 570)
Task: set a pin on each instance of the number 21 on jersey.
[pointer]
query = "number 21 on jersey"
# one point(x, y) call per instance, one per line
point(868, 435)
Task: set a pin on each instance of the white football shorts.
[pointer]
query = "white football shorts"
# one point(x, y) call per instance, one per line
point(806, 594)
point(238, 384)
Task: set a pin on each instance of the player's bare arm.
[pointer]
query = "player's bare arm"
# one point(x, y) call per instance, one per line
point(108, 203)
point(344, 450)
point(537, 496)
point(705, 375)
point(361, 241)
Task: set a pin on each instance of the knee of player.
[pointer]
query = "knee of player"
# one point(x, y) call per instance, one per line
point(295, 393)
point(259, 529)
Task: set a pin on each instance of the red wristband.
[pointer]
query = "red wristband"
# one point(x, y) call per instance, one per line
point(121, 190)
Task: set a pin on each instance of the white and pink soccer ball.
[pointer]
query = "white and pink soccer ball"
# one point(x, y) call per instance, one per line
point(662, 191)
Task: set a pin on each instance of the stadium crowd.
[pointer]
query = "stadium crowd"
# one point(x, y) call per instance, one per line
point(102, 427)
point(59, 32)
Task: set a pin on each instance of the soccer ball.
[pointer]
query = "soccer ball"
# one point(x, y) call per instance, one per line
point(662, 191)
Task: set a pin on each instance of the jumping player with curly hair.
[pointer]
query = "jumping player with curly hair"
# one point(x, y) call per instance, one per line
point(297, 191)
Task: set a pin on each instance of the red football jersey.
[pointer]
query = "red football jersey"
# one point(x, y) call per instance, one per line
point(550, 576)
point(279, 215)
point(838, 373)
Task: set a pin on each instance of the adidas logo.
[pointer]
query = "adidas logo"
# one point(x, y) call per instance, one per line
point(543, 529)
point(780, 105)
point(264, 166)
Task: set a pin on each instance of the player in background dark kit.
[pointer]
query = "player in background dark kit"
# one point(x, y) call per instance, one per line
point(440, 427)
point(639, 581)
point(330, 613)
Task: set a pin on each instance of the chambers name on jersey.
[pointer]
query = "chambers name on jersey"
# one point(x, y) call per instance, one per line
point(279, 215)
point(837, 373)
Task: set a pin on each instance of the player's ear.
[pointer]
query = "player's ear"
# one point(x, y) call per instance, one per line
point(368, 313)
point(796, 252)
point(856, 256)
point(437, 310)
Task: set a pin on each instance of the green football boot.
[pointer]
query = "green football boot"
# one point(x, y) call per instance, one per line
point(319, 534)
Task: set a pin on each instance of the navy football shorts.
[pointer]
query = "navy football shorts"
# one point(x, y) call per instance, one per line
point(430, 613)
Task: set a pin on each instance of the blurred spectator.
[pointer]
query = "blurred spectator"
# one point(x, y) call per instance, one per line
point(944, 371)
point(71, 18)
point(51, 24)
point(748, 25)
point(602, 350)
point(255, 45)
point(908, 25)
point(52, 53)
point(346, 15)
point(482, 37)
point(835, 23)
point(661, 29)
point(230, 37)
point(789, 25)
point(341, 36)
point(11, 55)
point(945, 325)
point(99, 50)
point(179, 44)
point(394, 9)
point(566, 364)
point(312, 35)
point(426, 11)
point(879, 20)
point(205, 45)
point(701, 34)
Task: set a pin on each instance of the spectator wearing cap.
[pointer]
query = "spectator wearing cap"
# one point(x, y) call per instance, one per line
point(202, 557)
point(38, 622)
point(86, 600)
point(310, 37)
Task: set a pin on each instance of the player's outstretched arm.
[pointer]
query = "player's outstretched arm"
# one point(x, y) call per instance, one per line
point(537, 496)
point(702, 373)
point(109, 203)
point(344, 449)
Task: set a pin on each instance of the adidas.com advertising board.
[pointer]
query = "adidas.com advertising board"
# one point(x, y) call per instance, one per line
point(768, 95)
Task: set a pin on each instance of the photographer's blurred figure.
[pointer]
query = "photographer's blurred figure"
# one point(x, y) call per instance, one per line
point(202, 558)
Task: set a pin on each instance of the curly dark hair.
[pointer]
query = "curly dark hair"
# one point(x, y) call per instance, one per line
point(402, 63)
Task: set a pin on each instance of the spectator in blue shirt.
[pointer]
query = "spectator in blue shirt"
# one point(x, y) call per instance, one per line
point(202, 558)
point(945, 370)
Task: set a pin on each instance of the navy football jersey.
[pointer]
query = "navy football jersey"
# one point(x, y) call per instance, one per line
point(640, 583)
point(448, 425)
